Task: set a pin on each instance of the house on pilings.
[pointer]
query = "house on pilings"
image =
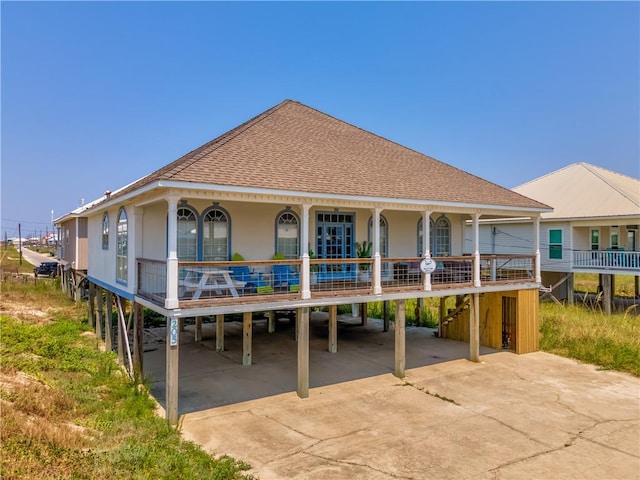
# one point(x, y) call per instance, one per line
point(267, 216)
point(593, 229)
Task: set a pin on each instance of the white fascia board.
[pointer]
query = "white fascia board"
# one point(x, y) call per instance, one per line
point(314, 198)
point(345, 198)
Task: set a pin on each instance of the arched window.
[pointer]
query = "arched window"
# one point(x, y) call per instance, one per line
point(384, 235)
point(187, 234)
point(287, 234)
point(215, 234)
point(442, 237)
point(105, 231)
point(421, 236)
point(122, 254)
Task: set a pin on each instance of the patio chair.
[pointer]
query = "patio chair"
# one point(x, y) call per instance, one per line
point(284, 277)
point(253, 282)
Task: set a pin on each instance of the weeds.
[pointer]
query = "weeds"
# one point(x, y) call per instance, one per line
point(609, 341)
point(68, 411)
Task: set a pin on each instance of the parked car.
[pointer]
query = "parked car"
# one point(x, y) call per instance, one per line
point(46, 269)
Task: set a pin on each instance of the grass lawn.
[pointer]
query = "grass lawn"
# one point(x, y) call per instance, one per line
point(610, 341)
point(588, 283)
point(68, 410)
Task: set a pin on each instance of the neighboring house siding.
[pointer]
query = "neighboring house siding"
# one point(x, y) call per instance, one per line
point(503, 239)
point(82, 253)
point(68, 238)
point(555, 264)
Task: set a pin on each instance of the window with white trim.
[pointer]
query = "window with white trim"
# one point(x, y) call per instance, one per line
point(187, 248)
point(442, 237)
point(122, 254)
point(384, 235)
point(215, 235)
point(105, 231)
point(288, 235)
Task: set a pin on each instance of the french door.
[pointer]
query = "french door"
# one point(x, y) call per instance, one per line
point(334, 238)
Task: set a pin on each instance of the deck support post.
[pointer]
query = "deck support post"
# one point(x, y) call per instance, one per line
point(173, 355)
point(333, 328)
point(605, 280)
point(247, 334)
point(636, 286)
point(91, 305)
point(271, 322)
point(474, 328)
point(100, 317)
point(138, 340)
point(108, 322)
point(198, 334)
point(220, 332)
point(363, 314)
point(442, 313)
point(303, 352)
point(570, 290)
point(400, 359)
point(385, 316)
point(119, 331)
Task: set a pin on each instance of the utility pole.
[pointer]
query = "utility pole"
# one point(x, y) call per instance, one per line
point(20, 241)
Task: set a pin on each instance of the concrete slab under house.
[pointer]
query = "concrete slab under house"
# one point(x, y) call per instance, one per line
point(271, 216)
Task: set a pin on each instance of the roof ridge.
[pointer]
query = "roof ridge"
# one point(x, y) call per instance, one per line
point(548, 174)
point(593, 169)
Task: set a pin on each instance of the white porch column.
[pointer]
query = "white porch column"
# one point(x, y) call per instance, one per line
point(536, 246)
point(171, 381)
point(426, 245)
point(377, 262)
point(474, 328)
point(305, 271)
point(302, 315)
point(476, 250)
point(171, 300)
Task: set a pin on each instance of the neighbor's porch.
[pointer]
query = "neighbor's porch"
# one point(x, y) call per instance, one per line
point(605, 248)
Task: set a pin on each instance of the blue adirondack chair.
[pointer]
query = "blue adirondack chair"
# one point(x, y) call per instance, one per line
point(283, 276)
point(253, 281)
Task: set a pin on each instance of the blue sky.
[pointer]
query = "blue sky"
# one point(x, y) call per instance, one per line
point(96, 95)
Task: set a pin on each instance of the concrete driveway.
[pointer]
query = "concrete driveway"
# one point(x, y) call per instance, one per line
point(535, 416)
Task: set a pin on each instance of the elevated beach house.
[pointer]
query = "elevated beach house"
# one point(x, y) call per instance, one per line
point(273, 214)
point(593, 229)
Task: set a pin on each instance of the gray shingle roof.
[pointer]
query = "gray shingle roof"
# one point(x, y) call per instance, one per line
point(297, 148)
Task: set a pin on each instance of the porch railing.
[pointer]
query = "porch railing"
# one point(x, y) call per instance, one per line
point(253, 281)
point(606, 259)
point(507, 268)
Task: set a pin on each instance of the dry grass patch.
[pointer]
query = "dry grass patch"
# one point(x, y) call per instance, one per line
point(69, 411)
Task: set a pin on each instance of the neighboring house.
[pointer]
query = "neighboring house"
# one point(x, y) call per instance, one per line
point(73, 250)
point(593, 228)
point(301, 184)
